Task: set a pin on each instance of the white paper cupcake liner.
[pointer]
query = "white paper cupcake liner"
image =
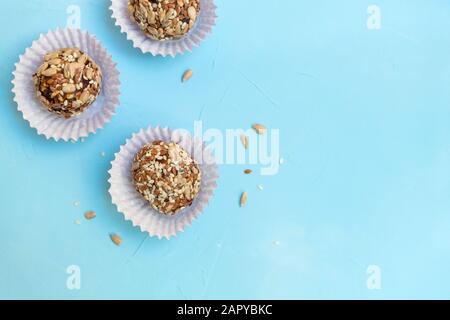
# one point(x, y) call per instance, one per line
point(131, 203)
point(51, 125)
point(192, 39)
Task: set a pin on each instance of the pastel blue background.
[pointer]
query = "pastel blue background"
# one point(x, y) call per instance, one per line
point(364, 118)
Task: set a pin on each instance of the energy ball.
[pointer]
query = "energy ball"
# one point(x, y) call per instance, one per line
point(67, 82)
point(164, 19)
point(166, 176)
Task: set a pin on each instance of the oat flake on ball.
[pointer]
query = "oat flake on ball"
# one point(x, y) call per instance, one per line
point(166, 176)
point(164, 19)
point(67, 82)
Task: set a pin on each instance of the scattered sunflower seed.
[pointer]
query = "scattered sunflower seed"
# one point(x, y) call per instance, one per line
point(277, 243)
point(76, 203)
point(103, 153)
point(187, 75)
point(248, 171)
point(260, 187)
point(90, 215)
point(244, 198)
point(116, 239)
point(259, 128)
point(244, 141)
point(77, 221)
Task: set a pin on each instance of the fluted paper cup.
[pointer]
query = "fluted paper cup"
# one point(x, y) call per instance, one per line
point(131, 203)
point(192, 39)
point(47, 123)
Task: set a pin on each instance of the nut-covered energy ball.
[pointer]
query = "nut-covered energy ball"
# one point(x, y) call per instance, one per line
point(164, 19)
point(167, 176)
point(68, 82)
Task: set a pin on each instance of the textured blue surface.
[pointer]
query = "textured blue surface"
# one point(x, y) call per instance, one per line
point(365, 131)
